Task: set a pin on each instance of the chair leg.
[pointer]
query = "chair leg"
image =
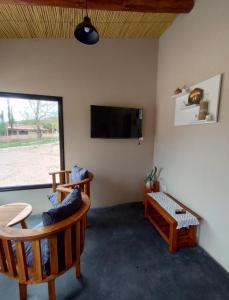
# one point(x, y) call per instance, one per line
point(78, 247)
point(23, 291)
point(51, 288)
point(78, 273)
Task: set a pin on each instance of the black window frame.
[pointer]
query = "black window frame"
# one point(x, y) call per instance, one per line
point(59, 100)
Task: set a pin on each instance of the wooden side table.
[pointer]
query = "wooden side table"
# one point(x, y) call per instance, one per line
point(14, 213)
point(166, 225)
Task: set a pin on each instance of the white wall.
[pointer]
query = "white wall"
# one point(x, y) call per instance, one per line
point(195, 158)
point(113, 72)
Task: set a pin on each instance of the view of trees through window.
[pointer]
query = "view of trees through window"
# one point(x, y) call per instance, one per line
point(29, 141)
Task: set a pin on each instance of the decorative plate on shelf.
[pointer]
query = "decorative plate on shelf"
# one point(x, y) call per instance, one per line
point(195, 96)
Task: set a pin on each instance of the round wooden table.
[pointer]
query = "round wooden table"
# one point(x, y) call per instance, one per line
point(14, 213)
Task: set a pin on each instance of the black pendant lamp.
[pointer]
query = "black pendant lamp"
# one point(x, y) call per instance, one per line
point(85, 32)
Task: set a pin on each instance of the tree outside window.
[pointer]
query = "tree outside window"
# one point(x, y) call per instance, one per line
point(31, 140)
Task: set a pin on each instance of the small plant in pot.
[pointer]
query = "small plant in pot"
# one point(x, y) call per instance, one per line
point(152, 183)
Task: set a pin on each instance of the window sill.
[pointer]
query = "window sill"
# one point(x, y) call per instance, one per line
point(25, 187)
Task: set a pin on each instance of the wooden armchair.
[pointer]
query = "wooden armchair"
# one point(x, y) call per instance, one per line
point(64, 182)
point(73, 230)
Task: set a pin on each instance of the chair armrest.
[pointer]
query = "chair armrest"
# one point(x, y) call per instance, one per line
point(61, 188)
point(60, 172)
point(19, 234)
point(84, 186)
point(81, 182)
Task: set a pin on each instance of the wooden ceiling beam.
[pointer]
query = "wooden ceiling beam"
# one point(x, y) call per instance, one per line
point(151, 6)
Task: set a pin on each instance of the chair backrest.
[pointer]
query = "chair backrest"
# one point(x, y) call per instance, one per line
point(62, 178)
point(73, 232)
point(59, 178)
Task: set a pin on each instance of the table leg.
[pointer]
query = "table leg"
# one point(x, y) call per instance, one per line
point(23, 224)
point(145, 207)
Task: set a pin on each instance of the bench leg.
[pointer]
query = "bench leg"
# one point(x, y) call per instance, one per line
point(192, 235)
point(51, 289)
point(145, 207)
point(23, 291)
point(172, 238)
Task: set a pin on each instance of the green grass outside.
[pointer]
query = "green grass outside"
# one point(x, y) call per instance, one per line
point(29, 142)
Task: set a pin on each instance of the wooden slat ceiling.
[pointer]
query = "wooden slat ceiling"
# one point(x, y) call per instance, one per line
point(26, 21)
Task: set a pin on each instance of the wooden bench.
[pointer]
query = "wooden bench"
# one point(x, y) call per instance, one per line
point(166, 225)
point(73, 230)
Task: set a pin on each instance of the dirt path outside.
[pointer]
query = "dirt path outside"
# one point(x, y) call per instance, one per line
point(28, 165)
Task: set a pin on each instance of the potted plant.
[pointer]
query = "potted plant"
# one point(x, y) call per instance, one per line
point(152, 183)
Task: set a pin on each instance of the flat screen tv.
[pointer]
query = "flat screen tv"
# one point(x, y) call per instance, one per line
point(115, 122)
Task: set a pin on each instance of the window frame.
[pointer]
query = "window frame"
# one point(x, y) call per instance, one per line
point(59, 100)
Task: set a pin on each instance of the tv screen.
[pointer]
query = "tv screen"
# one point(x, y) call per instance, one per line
point(115, 122)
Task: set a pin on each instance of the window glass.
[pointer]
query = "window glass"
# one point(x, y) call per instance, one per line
point(30, 140)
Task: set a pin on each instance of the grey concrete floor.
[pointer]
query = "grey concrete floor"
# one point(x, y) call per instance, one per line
point(125, 258)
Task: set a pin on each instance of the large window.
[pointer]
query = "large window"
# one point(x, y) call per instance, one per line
point(31, 140)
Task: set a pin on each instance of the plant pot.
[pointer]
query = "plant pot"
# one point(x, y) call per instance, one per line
point(152, 186)
point(156, 186)
point(149, 186)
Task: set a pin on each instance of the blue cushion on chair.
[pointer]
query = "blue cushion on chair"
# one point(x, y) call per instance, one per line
point(78, 174)
point(65, 209)
point(75, 195)
point(69, 206)
point(44, 251)
point(53, 198)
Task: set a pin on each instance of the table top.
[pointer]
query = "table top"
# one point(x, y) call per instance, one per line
point(170, 206)
point(14, 213)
